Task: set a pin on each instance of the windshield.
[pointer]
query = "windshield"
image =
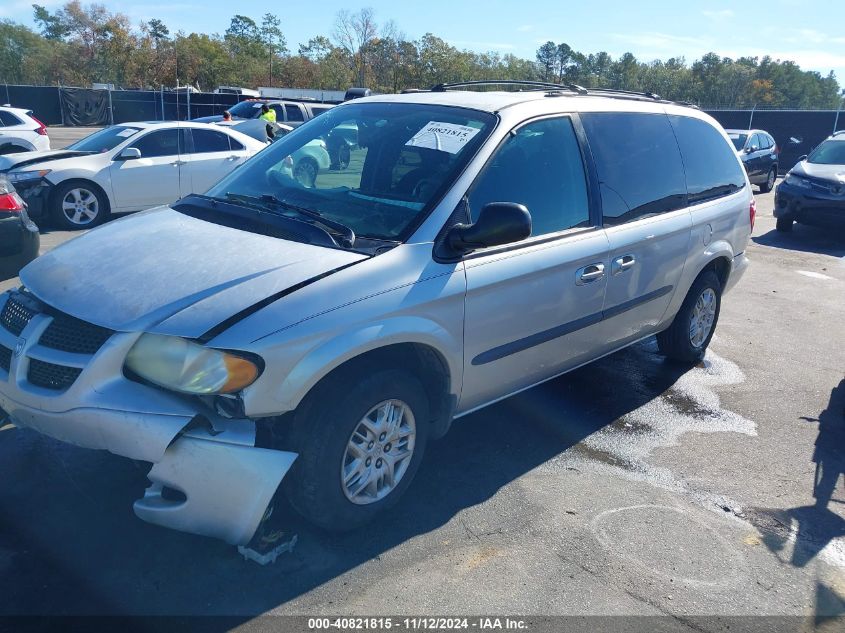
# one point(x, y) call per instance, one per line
point(376, 168)
point(828, 153)
point(245, 109)
point(104, 140)
point(738, 140)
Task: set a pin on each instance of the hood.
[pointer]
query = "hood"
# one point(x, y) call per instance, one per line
point(834, 173)
point(166, 272)
point(22, 159)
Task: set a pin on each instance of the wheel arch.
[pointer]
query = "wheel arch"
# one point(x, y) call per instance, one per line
point(83, 181)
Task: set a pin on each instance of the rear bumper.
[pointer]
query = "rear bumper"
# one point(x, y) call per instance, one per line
point(227, 481)
point(19, 243)
point(809, 206)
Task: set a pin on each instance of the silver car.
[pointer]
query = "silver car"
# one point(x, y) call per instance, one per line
point(313, 339)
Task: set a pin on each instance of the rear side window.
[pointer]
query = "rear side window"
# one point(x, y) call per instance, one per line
point(207, 141)
point(709, 161)
point(8, 119)
point(638, 164)
point(294, 113)
point(539, 166)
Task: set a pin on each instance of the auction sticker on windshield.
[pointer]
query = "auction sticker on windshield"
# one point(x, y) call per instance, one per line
point(446, 137)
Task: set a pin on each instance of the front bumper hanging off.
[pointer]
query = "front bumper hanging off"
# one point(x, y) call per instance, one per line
point(225, 481)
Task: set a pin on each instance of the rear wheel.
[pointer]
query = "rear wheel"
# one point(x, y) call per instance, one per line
point(360, 444)
point(687, 338)
point(784, 225)
point(769, 184)
point(342, 157)
point(78, 205)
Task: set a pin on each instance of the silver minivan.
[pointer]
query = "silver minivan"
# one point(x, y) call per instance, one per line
point(312, 338)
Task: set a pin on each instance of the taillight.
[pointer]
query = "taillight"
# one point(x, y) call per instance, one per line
point(752, 212)
point(42, 130)
point(11, 202)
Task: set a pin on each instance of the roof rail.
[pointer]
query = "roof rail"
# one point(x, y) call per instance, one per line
point(533, 85)
point(629, 93)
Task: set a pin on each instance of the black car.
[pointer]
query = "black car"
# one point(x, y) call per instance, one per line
point(19, 239)
point(813, 192)
point(759, 154)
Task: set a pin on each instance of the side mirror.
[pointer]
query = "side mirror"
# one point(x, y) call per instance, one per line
point(498, 223)
point(130, 153)
point(802, 157)
point(751, 150)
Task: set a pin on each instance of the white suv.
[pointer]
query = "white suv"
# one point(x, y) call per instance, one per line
point(20, 131)
point(318, 334)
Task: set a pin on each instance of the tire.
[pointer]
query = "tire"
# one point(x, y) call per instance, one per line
point(323, 431)
point(679, 342)
point(342, 157)
point(78, 204)
point(769, 183)
point(305, 172)
point(784, 225)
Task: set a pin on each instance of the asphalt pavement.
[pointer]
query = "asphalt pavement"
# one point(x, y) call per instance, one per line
point(629, 487)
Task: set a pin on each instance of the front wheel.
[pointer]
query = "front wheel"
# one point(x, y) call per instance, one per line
point(359, 448)
point(305, 173)
point(78, 205)
point(687, 338)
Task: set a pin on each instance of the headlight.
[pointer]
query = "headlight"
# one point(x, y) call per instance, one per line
point(22, 176)
point(796, 181)
point(181, 365)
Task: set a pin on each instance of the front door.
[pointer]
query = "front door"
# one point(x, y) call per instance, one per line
point(152, 179)
point(531, 307)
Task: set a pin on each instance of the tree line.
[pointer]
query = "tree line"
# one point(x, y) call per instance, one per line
point(77, 45)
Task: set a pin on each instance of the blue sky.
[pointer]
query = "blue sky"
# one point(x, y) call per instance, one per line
point(810, 32)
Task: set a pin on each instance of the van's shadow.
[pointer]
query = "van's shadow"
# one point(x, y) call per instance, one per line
point(806, 239)
point(66, 520)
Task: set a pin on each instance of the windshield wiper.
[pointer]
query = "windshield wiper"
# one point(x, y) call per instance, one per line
point(346, 234)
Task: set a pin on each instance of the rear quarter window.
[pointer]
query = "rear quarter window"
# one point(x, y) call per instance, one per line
point(710, 163)
point(8, 119)
point(638, 164)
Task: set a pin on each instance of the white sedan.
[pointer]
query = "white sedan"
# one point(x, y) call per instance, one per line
point(124, 168)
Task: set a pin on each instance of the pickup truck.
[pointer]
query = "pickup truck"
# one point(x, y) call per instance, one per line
point(292, 113)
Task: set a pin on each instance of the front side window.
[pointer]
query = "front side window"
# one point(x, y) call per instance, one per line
point(377, 168)
point(104, 140)
point(158, 143)
point(638, 164)
point(710, 164)
point(293, 113)
point(828, 153)
point(540, 166)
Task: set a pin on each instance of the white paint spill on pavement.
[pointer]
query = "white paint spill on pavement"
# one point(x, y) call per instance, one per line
point(813, 275)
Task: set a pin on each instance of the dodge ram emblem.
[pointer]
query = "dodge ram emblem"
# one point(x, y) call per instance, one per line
point(19, 346)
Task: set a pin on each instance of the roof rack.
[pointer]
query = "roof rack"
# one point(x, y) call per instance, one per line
point(533, 85)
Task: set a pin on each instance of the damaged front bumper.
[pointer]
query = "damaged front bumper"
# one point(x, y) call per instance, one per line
point(225, 481)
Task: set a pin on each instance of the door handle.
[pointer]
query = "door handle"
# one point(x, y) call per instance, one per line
point(179, 163)
point(621, 264)
point(233, 158)
point(589, 274)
